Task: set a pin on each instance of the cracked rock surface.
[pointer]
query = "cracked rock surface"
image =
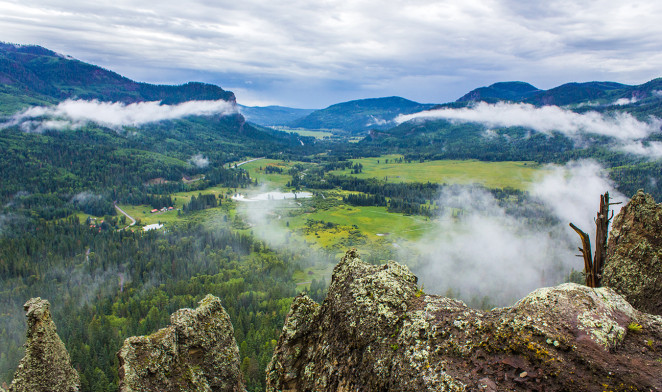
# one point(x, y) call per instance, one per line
point(46, 365)
point(197, 352)
point(377, 331)
point(634, 254)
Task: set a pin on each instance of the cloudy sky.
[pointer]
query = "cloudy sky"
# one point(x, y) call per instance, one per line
point(312, 54)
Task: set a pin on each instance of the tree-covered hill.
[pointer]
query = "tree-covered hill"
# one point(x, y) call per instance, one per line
point(272, 115)
point(510, 91)
point(36, 75)
point(42, 171)
point(361, 115)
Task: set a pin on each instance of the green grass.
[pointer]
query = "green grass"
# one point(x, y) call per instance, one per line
point(517, 175)
point(369, 220)
point(305, 277)
point(273, 179)
point(307, 132)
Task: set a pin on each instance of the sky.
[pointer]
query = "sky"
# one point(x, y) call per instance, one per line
point(311, 54)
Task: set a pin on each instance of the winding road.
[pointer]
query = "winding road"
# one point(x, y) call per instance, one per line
point(133, 221)
point(248, 161)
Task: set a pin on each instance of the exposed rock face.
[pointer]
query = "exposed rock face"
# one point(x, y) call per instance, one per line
point(197, 352)
point(634, 254)
point(377, 331)
point(46, 365)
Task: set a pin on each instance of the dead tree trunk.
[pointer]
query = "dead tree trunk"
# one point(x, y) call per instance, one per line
point(593, 266)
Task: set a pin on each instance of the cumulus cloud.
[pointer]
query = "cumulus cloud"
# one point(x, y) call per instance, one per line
point(489, 252)
point(199, 161)
point(76, 113)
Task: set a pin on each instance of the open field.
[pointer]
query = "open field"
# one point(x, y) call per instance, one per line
point(373, 222)
point(491, 174)
point(275, 180)
point(307, 132)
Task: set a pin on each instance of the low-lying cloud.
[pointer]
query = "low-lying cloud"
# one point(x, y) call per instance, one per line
point(621, 126)
point(626, 130)
point(72, 114)
point(489, 252)
point(199, 161)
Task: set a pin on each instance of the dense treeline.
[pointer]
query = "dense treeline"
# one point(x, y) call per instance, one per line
point(406, 198)
point(48, 171)
point(201, 202)
point(436, 140)
point(365, 200)
point(105, 286)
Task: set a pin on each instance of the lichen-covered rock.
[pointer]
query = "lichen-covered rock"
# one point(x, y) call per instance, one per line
point(634, 254)
point(377, 331)
point(46, 365)
point(197, 352)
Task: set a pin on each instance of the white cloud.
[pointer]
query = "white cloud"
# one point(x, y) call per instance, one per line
point(625, 101)
point(625, 128)
point(199, 161)
point(487, 252)
point(451, 46)
point(652, 150)
point(76, 113)
point(545, 119)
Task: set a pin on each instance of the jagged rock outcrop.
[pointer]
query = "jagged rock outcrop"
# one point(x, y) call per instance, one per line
point(197, 352)
point(46, 365)
point(377, 331)
point(634, 254)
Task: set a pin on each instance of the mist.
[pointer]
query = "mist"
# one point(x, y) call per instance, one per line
point(623, 127)
point(493, 253)
point(72, 114)
point(199, 161)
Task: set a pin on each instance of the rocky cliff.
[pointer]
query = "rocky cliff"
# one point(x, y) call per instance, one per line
point(46, 365)
point(377, 331)
point(634, 254)
point(197, 352)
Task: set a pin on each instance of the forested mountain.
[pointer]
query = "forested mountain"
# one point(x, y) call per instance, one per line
point(641, 100)
point(510, 91)
point(361, 115)
point(432, 139)
point(272, 115)
point(35, 75)
point(43, 170)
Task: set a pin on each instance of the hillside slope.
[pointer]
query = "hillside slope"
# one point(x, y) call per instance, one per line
point(361, 115)
point(33, 74)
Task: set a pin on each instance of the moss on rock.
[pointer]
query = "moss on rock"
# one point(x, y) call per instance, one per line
point(373, 332)
point(46, 365)
point(634, 254)
point(197, 352)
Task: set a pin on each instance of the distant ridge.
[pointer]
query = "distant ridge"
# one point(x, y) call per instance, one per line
point(273, 115)
point(361, 115)
point(510, 91)
point(572, 93)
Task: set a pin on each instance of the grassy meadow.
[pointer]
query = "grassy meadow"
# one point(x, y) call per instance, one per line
point(516, 175)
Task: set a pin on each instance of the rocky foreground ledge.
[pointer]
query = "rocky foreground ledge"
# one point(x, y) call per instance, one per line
point(198, 352)
point(377, 331)
point(46, 365)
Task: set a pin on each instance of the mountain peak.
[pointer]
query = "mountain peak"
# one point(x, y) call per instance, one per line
point(509, 91)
